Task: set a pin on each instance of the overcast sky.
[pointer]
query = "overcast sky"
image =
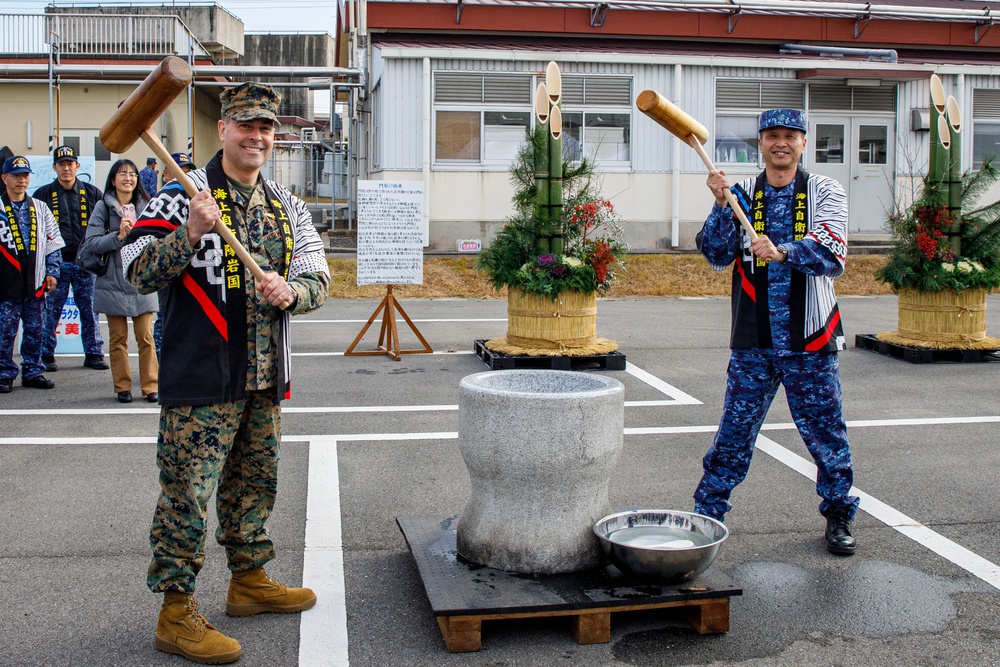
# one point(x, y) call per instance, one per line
point(257, 15)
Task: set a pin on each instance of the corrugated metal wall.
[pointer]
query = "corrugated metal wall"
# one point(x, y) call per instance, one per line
point(911, 145)
point(402, 95)
point(400, 104)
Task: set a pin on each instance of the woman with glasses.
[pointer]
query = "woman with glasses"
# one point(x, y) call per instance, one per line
point(110, 223)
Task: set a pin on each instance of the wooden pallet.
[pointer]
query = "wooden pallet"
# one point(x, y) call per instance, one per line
point(464, 594)
point(923, 355)
point(612, 361)
point(464, 633)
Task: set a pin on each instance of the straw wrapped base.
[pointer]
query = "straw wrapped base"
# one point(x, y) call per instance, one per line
point(596, 346)
point(540, 326)
point(942, 320)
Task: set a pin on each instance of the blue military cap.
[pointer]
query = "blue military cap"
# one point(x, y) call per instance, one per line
point(790, 118)
point(183, 160)
point(17, 165)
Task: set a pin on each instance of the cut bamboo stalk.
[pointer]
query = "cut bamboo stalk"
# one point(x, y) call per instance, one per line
point(938, 159)
point(954, 115)
point(555, 181)
point(540, 143)
point(553, 82)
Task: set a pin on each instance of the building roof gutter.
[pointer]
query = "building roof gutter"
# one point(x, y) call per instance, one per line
point(888, 55)
point(341, 75)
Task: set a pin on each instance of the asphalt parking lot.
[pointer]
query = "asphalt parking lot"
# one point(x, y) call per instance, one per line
point(369, 439)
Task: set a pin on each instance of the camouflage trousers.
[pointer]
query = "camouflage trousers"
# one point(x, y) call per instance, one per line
point(232, 446)
point(812, 387)
point(30, 311)
point(83, 295)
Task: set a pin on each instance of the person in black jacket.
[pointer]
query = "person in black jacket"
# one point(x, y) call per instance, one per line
point(71, 201)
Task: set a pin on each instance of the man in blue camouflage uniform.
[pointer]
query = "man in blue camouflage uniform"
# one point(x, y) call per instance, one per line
point(225, 369)
point(148, 177)
point(786, 324)
point(29, 267)
point(71, 201)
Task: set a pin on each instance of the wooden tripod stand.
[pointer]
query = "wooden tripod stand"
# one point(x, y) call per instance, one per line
point(388, 339)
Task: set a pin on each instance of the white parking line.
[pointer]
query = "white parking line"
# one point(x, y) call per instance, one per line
point(919, 533)
point(323, 630)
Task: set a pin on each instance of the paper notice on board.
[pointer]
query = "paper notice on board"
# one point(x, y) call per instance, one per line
point(390, 232)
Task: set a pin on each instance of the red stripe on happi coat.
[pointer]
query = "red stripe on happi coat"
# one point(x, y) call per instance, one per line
point(825, 335)
point(11, 258)
point(211, 311)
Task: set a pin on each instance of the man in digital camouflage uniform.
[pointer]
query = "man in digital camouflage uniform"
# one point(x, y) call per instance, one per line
point(786, 324)
point(224, 369)
point(29, 268)
point(71, 201)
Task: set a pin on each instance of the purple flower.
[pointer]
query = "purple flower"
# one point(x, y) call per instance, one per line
point(546, 260)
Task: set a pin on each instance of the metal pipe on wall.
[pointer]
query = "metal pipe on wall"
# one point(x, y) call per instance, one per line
point(675, 173)
point(426, 148)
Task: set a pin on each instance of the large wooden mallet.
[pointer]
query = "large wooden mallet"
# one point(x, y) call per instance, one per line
point(691, 132)
point(133, 120)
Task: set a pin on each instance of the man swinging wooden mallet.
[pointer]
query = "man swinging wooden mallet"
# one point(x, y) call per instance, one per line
point(786, 324)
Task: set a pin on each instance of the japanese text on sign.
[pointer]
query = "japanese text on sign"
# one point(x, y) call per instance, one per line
point(390, 232)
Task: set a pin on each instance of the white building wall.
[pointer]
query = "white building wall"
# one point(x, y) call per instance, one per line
point(472, 203)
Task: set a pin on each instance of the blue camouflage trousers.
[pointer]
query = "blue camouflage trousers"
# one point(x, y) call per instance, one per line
point(812, 386)
point(232, 446)
point(12, 312)
point(83, 294)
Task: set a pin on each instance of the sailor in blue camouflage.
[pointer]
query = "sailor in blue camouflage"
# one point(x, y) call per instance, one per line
point(82, 283)
point(792, 342)
point(30, 260)
point(13, 312)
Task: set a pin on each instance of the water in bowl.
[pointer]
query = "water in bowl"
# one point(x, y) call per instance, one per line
point(659, 537)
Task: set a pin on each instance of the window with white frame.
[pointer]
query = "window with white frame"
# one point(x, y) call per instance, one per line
point(482, 119)
point(738, 104)
point(985, 125)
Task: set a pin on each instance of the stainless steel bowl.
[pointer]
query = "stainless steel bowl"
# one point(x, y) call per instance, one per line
point(666, 546)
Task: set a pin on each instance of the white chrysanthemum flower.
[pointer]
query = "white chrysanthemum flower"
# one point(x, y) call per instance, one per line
point(571, 261)
point(964, 266)
point(948, 267)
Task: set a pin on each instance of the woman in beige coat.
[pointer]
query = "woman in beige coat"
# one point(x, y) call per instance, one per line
point(114, 296)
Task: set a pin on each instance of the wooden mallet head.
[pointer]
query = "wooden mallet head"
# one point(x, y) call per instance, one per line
point(691, 132)
point(670, 116)
point(146, 104)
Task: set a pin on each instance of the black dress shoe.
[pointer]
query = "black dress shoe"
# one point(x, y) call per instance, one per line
point(50, 363)
point(839, 539)
point(39, 382)
point(124, 397)
point(6, 386)
point(95, 361)
point(152, 397)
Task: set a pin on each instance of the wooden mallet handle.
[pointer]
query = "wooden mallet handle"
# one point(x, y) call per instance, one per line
point(727, 193)
point(227, 235)
point(691, 132)
point(136, 115)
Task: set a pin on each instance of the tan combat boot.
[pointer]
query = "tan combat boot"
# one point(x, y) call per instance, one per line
point(182, 630)
point(253, 592)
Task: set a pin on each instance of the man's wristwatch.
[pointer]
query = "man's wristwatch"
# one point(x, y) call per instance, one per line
point(783, 249)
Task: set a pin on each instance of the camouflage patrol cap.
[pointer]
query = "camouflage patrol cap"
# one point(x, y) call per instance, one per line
point(249, 101)
point(793, 119)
